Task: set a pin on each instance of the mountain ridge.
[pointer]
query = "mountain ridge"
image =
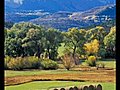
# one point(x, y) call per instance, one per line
point(56, 5)
point(87, 18)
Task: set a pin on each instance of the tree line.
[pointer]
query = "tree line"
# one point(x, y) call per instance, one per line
point(27, 39)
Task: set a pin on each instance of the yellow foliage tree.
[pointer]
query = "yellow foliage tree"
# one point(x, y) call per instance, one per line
point(92, 47)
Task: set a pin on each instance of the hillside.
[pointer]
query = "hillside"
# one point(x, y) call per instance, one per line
point(62, 14)
point(65, 20)
point(55, 5)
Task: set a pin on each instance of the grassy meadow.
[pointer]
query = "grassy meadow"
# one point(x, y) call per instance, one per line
point(31, 79)
point(10, 73)
point(46, 85)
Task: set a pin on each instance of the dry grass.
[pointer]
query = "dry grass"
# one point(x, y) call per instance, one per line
point(96, 76)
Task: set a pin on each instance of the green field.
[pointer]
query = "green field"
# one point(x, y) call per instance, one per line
point(45, 85)
point(108, 63)
point(111, 64)
point(10, 73)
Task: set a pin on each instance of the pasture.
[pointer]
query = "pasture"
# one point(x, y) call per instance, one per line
point(46, 79)
point(45, 85)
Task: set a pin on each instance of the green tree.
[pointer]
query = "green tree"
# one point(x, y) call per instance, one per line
point(53, 41)
point(35, 40)
point(110, 41)
point(12, 44)
point(74, 39)
point(96, 33)
point(14, 37)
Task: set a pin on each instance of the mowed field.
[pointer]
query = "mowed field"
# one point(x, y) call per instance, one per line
point(46, 79)
point(46, 85)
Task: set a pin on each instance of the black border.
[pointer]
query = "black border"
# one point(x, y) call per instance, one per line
point(2, 44)
point(117, 44)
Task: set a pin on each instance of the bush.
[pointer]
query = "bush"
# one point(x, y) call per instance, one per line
point(49, 64)
point(100, 65)
point(7, 59)
point(15, 64)
point(31, 62)
point(20, 63)
point(68, 61)
point(91, 61)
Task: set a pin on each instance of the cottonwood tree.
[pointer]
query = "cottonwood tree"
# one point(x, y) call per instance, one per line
point(74, 39)
point(92, 48)
point(53, 41)
point(35, 40)
point(13, 45)
point(14, 37)
point(110, 41)
point(97, 33)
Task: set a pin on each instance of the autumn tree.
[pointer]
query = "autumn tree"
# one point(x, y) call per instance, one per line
point(92, 48)
point(98, 33)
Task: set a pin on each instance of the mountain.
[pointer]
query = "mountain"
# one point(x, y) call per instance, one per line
point(108, 10)
point(55, 5)
point(61, 14)
point(64, 20)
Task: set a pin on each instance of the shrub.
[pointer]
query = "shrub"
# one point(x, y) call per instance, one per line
point(7, 59)
point(49, 64)
point(31, 62)
point(20, 63)
point(100, 65)
point(68, 61)
point(15, 63)
point(91, 61)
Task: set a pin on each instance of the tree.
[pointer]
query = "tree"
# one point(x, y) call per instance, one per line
point(14, 37)
point(8, 24)
point(74, 39)
point(97, 33)
point(110, 41)
point(12, 44)
point(35, 40)
point(92, 48)
point(53, 41)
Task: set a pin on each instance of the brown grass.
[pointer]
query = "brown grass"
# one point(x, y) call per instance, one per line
point(96, 76)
